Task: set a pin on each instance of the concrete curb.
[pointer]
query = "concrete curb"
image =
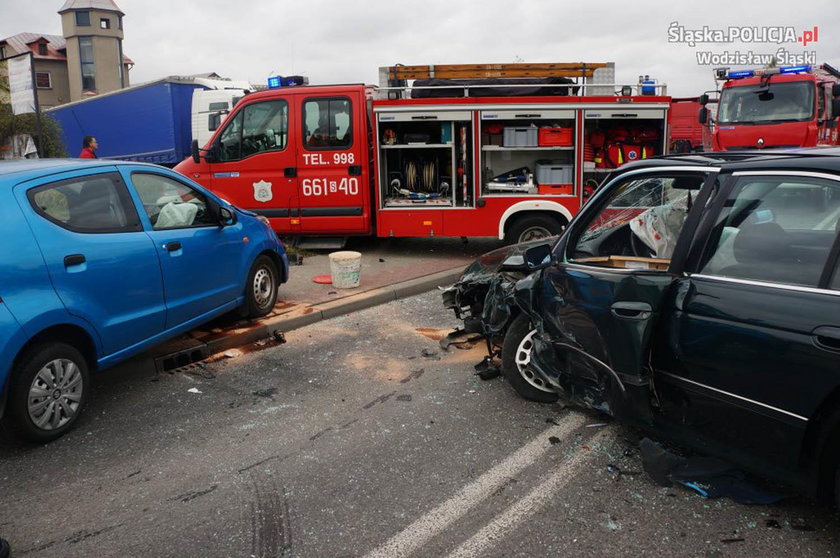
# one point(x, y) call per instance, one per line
point(316, 313)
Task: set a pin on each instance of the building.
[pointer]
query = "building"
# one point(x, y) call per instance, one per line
point(82, 62)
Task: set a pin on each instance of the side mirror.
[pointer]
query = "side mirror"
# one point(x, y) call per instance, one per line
point(214, 121)
point(703, 115)
point(703, 99)
point(226, 217)
point(538, 257)
point(196, 157)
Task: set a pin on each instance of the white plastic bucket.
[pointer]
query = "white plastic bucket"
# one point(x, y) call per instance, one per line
point(345, 267)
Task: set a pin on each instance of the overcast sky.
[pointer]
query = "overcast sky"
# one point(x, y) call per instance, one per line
point(334, 41)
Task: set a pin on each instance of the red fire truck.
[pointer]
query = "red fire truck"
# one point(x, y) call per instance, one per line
point(686, 133)
point(453, 154)
point(791, 106)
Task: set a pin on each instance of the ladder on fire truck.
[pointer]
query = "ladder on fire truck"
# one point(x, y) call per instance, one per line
point(586, 74)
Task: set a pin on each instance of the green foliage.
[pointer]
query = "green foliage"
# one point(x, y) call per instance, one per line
point(11, 125)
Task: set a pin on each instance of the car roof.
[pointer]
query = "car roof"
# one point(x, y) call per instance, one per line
point(24, 169)
point(804, 158)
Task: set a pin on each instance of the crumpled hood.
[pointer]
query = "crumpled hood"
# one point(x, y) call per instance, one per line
point(487, 265)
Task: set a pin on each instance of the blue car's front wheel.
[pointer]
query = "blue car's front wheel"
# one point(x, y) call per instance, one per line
point(261, 288)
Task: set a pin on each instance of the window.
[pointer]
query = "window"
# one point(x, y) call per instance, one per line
point(785, 101)
point(327, 124)
point(88, 69)
point(257, 128)
point(638, 223)
point(83, 18)
point(171, 204)
point(42, 49)
point(119, 22)
point(104, 23)
point(90, 204)
point(43, 80)
point(777, 229)
point(2, 52)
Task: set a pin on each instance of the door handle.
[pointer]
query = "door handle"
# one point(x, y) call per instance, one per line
point(290, 172)
point(632, 310)
point(355, 170)
point(827, 337)
point(74, 259)
point(172, 246)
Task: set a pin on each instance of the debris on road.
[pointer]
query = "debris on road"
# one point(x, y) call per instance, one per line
point(322, 279)
point(488, 369)
point(708, 476)
point(194, 390)
point(233, 353)
point(430, 354)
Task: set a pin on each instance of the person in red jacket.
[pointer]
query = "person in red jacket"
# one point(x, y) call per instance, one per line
point(89, 146)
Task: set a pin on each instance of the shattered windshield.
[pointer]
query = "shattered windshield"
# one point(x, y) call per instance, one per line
point(628, 201)
point(777, 102)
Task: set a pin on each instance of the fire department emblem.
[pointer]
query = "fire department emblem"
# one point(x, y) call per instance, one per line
point(262, 191)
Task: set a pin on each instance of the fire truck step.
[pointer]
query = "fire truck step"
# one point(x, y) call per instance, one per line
point(322, 242)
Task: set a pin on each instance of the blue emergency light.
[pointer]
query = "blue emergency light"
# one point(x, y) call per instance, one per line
point(741, 74)
point(275, 82)
point(794, 69)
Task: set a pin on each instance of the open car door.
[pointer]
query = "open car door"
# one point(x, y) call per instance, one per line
point(597, 307)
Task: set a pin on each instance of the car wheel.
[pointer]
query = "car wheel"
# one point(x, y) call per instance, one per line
point(533, 228)
point(261, 288)
point(48, 391)
point(516, 354)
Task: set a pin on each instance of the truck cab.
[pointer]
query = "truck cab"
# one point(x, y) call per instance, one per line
point(786, 107)
point(299, 156)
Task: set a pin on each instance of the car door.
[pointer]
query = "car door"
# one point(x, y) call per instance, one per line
point(254, 166)
point(599, 305)
point(332, 166)
point(754, 344)
point(103, 266)
point(200, 260)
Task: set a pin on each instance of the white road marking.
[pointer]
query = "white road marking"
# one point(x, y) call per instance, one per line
point(441, 517)
point(495, 531)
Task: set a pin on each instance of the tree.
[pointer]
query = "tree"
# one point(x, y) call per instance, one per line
point(11, 124)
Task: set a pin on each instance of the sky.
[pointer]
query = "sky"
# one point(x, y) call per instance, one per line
point(333, 41)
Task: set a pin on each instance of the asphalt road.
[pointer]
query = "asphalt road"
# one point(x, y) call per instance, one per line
point(349, 440)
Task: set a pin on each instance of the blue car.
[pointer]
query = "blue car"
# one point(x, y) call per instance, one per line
point(100, 260)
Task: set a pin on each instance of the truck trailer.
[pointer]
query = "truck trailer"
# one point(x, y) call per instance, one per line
point(507, 150)
point(152, 122)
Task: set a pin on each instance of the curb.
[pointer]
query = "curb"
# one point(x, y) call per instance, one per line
point(313, 314)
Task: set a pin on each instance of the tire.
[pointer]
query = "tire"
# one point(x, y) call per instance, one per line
point(515, 354)
point(533, 228)
point(48, 392)
point(260, 289)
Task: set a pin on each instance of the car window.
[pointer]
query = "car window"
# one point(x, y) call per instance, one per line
point(230, 141)
point(777, 229)
point(171, 204)
point(90, 204)
point(327, 124)
point(638, 223)
point(264, 127)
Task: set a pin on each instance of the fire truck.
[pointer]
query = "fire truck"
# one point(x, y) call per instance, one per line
point(790, 106)
point(686, 133)
point(508, 150)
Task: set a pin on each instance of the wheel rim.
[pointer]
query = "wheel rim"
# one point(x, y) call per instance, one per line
point(263, 283)
point(523, 360)
point(55, 394)
point(534, 233)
